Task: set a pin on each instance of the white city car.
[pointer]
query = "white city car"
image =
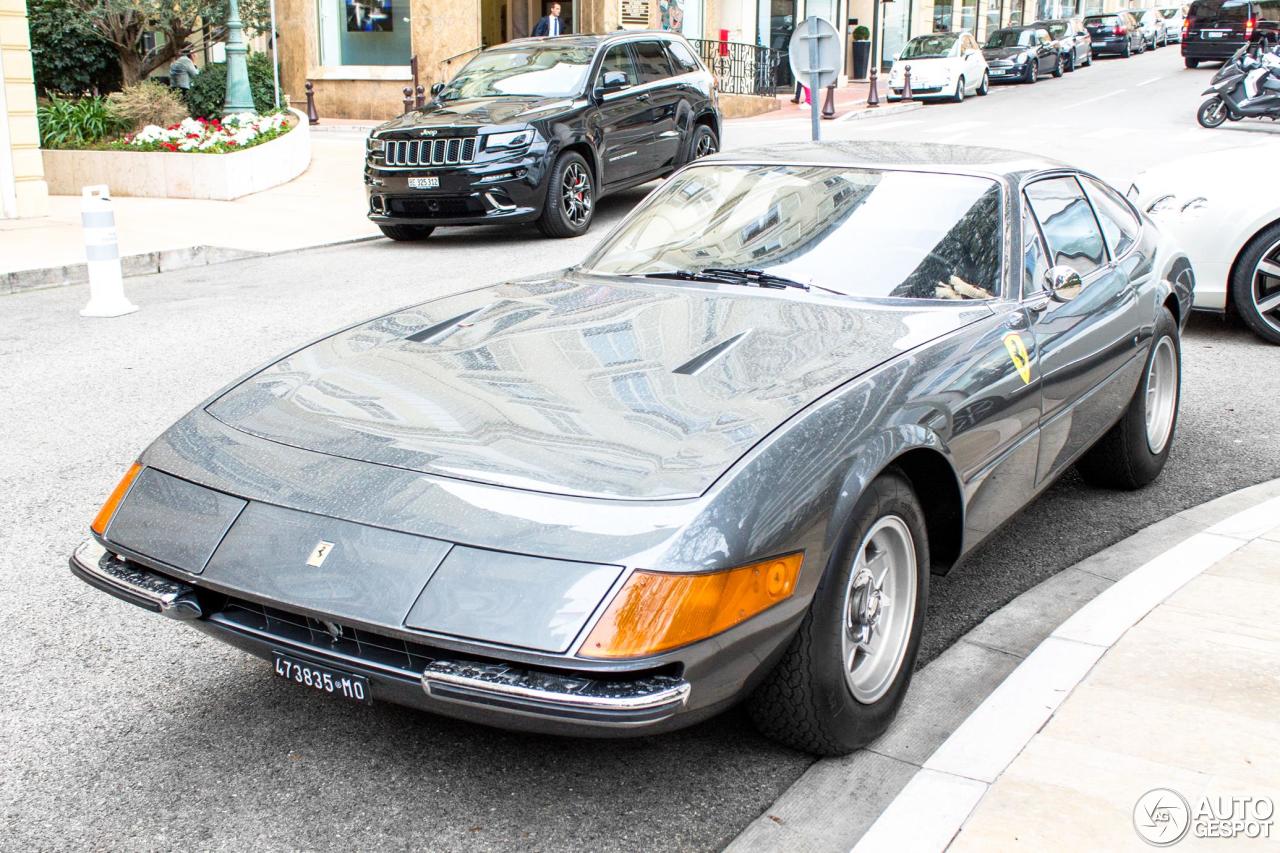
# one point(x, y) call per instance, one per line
point(943, 65)
point(1230, 230)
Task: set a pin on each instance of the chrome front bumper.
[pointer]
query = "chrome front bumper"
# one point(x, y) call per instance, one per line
point(490, 690)
point(95, 566)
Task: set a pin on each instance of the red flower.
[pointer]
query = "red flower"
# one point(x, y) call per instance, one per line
point(168, 146)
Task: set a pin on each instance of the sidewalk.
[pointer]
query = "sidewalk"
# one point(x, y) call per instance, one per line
point(324, 205)
point(1153, 711)
point(850, 102)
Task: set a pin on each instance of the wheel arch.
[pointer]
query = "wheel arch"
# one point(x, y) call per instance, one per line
point(921, 459)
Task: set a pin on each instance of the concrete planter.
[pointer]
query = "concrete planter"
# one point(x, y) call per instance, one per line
point(167, 174)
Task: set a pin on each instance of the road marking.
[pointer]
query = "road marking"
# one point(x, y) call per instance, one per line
point(1092, 100)
point(1152, 80)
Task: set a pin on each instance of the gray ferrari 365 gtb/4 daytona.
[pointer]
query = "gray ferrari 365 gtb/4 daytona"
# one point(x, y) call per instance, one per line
point(716, 461)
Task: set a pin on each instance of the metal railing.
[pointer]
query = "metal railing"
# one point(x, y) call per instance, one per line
point(744, 69)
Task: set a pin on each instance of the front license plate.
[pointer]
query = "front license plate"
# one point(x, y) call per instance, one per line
point(428, 183)
point(348, 685)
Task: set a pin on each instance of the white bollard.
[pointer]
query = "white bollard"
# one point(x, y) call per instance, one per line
point(106, 284)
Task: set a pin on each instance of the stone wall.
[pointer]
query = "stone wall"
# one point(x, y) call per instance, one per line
point(23, 191)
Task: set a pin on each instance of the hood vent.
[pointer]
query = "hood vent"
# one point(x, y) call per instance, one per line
point(703, 360)
point(436, 331)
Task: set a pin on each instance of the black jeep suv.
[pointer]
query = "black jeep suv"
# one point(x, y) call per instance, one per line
point(540, 130)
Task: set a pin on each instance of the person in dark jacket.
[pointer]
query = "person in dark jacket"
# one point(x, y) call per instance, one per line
point(550, 24)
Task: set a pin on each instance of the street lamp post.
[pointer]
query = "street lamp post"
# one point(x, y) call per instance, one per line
point(239, 97)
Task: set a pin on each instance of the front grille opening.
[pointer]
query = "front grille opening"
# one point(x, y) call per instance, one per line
point(387, 652)
point(430, 152)
point(434, 208)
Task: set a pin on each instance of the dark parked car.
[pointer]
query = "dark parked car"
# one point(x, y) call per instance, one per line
point(1021, 54)
point(718, 460)
point(1071, 39)
point(539, 130)
point(1216, 29)
point(1117, 33)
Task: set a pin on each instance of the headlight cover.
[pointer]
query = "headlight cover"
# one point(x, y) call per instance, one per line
point(374, 145)
point(1162, 204)
point(512, 139)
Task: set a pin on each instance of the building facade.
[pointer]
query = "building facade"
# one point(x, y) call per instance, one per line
point(23, 191)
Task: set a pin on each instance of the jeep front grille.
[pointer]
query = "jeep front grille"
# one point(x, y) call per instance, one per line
point(431, 152)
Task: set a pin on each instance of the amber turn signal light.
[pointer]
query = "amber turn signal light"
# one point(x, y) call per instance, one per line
point(109, 508)
point(657, 611)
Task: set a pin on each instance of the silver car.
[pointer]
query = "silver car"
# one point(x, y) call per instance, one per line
point(716, 461)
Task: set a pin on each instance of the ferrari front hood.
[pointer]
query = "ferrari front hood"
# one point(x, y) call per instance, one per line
point(613, 388)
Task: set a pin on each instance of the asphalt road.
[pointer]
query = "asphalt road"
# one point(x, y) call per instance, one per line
point(122, 730)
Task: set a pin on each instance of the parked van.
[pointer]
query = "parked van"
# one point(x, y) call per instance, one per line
point(1215, 29)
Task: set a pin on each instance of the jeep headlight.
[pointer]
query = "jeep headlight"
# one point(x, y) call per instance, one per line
point(512, 139)
point(374, 145)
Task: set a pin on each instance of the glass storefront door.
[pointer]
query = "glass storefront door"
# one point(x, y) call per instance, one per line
point(777, 22)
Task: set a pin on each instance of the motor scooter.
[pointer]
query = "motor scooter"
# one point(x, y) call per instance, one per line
point(1246, 86)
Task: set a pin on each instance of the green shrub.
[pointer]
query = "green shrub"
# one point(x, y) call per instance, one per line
point(147, 103)
point(209, 90)
point(861, 33)
point(76, 122)
point(66, 56)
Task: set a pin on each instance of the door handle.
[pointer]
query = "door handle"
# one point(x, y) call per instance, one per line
point(643, 97)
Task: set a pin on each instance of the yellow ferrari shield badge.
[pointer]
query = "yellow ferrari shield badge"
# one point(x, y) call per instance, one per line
point(1018, 355)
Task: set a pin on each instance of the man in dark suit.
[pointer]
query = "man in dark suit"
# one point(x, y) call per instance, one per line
point(549, 25)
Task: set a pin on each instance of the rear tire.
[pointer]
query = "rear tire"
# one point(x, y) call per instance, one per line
point(1212, 113)
point(1191, 63)
point(1128, 49)
point(406, 233)
point(1133, 452)
point(570, 203)
point(810, 700)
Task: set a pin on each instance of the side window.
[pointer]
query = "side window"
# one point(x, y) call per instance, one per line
point(653, 61)
point(681, 57)
point(1034, 262)
point(1119, 225)
point(1068, 224)
point(618, 58)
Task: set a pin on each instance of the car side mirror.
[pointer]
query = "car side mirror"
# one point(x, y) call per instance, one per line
point(1063, 282)
point(436, 89)
point(612, 81)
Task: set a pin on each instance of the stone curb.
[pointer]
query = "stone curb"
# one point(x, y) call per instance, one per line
point(881, 111)
point(147, 263)
point(837, 800)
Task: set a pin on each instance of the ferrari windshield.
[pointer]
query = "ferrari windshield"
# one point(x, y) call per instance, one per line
point(554, 71)
point(859, 232)
point(1011, 38)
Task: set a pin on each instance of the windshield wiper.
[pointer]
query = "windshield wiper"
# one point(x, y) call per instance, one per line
point(726, 275)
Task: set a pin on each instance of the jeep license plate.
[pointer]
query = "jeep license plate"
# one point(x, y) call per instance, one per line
point(428, 183)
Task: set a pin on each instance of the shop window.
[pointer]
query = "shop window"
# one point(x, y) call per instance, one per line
point(364, 32)
point(682, 16)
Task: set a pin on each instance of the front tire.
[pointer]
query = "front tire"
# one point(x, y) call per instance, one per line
point(1133, 452)
point(958, 97)
point(570, 202)
point(1071, 62)
point(1255, 284)
point(1057, 66)
point(1212, 113)
point(844, 676)
point(406, 233)
point(985, 87)
point(1033, 72)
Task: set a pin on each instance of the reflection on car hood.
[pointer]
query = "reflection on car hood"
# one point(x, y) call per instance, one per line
point(618, 388)
point(476, 111)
